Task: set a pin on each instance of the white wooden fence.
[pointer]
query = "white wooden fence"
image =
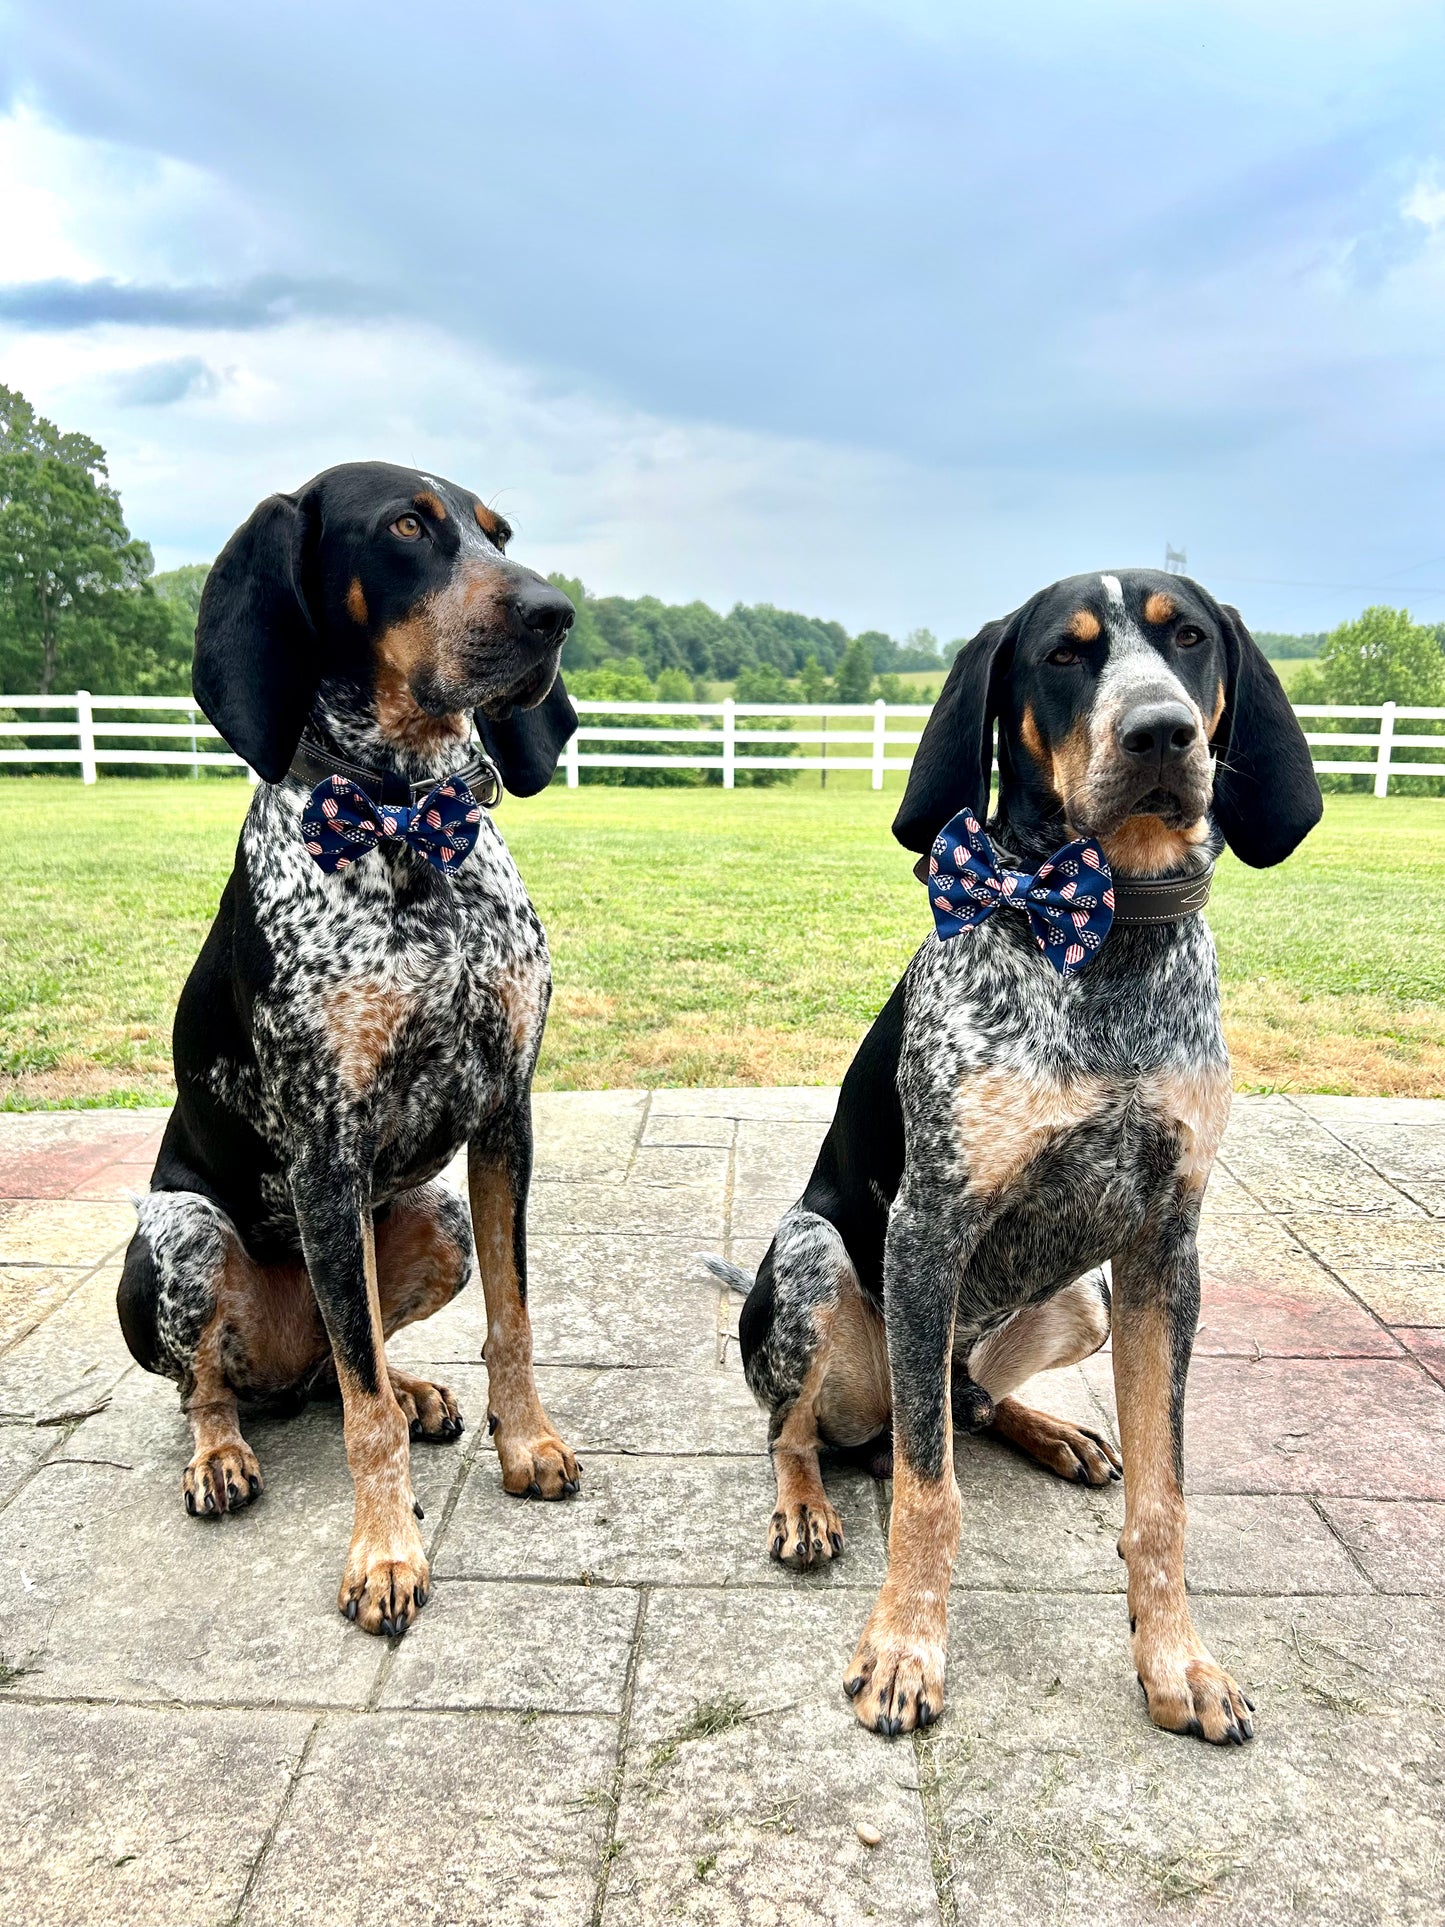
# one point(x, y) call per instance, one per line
point(721, 736)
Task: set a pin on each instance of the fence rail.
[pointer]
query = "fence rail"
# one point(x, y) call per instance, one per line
point(719, 733)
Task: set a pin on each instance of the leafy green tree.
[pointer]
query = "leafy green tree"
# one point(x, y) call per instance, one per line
point(64, 547)
point(891, 689)
point(1380, 657)
point(765, 684)
point(853, 682)
point(812, 683)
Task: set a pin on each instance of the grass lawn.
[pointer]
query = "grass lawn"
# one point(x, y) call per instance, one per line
point(702, 937)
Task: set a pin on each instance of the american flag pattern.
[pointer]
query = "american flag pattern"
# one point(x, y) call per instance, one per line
point(1069, 902)
point(341, 824)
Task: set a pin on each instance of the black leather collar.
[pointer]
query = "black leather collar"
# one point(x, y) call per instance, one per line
point(312, 765)
point(1144, 899)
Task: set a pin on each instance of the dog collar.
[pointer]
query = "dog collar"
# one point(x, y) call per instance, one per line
point(312, 765)
point(1144, 899)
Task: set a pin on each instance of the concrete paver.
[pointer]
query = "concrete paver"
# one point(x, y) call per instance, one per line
point(619, 1710)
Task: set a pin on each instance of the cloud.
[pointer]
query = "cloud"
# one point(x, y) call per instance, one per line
point(265, 301)
point(157, 384)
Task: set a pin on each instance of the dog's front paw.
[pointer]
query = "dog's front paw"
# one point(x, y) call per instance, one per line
point(431, 1411)
point(535, 1465)
point(1189, 1693)
point(805, 1533)
point(222, 1478)
point(895, 1678)
point(386, 1585)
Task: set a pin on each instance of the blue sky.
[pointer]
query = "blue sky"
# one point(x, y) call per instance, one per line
point(888, 312)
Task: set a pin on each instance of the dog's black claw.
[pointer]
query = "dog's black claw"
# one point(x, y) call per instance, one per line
point(1248, 1701)
point(1194, 1730)
point(853, 1687)
point(254, 1483)
point(925, 1713)
point(889, 1727)
point(837, 1541)
point(491, 1423)
point(1115, 1473)
point(416, 1508)
point(190, 1498)
point(569, 1486)
point(352, 1608)
point(1081, 1476)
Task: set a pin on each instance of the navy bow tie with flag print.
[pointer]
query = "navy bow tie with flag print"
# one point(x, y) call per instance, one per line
point(341, 823)
point(1069, 901)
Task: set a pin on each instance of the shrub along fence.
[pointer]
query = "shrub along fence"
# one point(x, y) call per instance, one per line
point(726, 742)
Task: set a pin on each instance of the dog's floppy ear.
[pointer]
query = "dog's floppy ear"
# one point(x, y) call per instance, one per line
point(1266, 794)
point(954, 762)
point(526, 746)
point(258, 657)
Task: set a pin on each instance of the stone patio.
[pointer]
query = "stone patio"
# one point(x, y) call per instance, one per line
point(617, 1711)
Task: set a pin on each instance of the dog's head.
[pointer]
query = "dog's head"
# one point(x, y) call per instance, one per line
point(1129, 708)
point(395, 588)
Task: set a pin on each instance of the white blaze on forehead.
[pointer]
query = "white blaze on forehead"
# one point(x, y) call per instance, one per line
point(1134, 669)
point(1113, 589)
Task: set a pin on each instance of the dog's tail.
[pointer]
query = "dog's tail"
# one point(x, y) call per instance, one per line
point(731, 1275)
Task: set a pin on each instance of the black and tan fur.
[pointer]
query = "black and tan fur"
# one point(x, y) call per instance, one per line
point(1004, 1130)
point(342, 1036)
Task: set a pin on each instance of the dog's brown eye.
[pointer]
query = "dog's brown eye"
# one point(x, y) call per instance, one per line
point(408, 527)
point(1064, 656)
point(1188, 637)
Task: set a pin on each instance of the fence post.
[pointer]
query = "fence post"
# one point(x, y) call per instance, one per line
point(1382, 760)
point(85, 730)
point(730, 744)
point(574, 768)
point(880, 738)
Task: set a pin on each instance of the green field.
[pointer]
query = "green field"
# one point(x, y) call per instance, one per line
point(700, 936)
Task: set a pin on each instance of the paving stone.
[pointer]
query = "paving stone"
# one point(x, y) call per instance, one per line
point(57, 1232)
point(71, 1359)
point(443, 1820)
point(113, 1816)
point(1337, 1111)
point(1262, 1294)
point(774, 1160)
point(29, 1293)
point(112, 1590)
point(1293, 1163)
point(1225, 1195)
point(1429, 1347)
point(570, 1210)
point(600, 1300)
point(1352, 1244)
point(668, 1128)
point(116, 1183)
point(590, 1135)
point(546, 1649)
point(1400, 1543)
point(653, 1521)
point(755, 1217)
point(1061, 1802)
point(1398, 1294)
point(1365, 1428)
point(648, 1410)
point(802, 1104)
point(756, 1821)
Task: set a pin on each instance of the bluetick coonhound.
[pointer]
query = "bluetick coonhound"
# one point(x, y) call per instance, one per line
point(343, 1034)
point(1008, 1125)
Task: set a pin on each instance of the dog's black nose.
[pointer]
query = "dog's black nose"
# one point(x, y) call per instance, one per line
point(539, 613)
point(1157, 733)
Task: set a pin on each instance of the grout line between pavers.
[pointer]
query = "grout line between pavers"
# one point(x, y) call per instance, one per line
point(935, 1833)
point(40, 1264)
point(269, 1836)
point(609, 1849)
point(64, 1434)
point(642, 1123)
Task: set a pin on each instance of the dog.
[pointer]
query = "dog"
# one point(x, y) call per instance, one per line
point(1014, 1118)
point(364, 1004)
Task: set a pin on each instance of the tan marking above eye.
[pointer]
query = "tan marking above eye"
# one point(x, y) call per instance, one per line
point(1083, 625)
point(408, 527)
point(356, 602)
point(431, 504)
point(486, 521)
point(1160, 607)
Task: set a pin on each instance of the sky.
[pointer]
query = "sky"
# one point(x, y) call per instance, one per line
point(888, 312)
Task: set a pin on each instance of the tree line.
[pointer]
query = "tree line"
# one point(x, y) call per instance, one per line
point(81, 606)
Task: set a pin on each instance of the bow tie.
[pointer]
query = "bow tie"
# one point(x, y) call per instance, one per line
point(342, 824)
point(1069, 902)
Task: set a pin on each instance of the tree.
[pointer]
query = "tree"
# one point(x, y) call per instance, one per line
point(812, 683)
point(64, 545)
point(1380, 657)
point(854, 680)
